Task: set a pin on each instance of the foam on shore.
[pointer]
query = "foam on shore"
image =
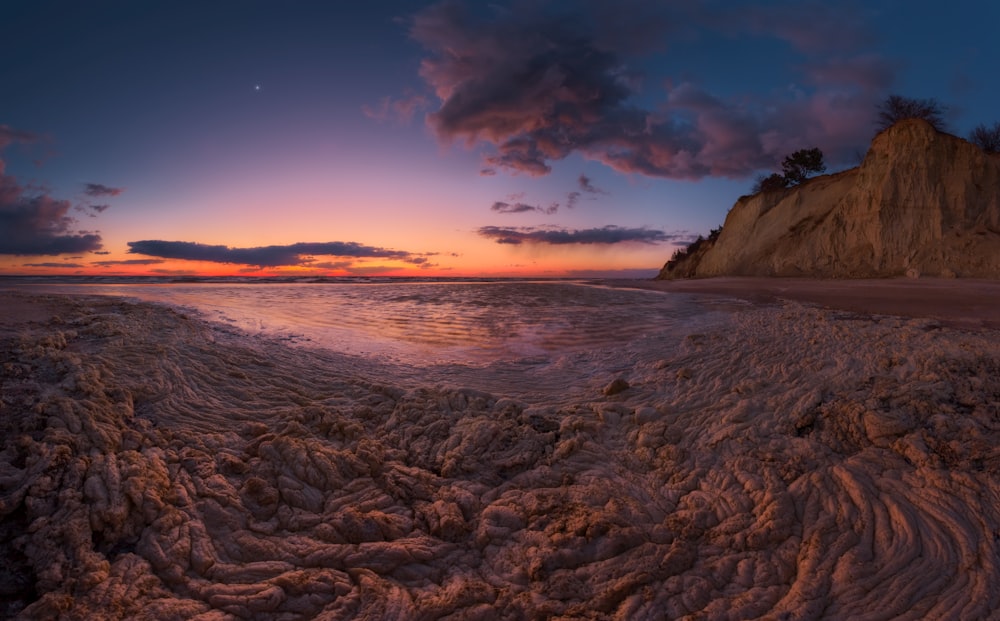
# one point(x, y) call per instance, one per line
point(796, 461)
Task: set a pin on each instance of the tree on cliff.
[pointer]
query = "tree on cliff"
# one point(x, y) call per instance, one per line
point(895, 108)
point(769, 183)
point(804, 162)
point(986, 138)
point(797, 168)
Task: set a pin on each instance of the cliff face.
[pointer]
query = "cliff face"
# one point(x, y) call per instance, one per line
point(921, 202)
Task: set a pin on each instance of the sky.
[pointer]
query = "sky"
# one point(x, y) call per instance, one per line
point(527, 138)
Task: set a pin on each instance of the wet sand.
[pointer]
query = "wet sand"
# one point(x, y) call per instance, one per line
point(794, 462)
point(966, 302)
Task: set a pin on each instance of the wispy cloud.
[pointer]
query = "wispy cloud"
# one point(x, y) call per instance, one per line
point(97, 190)
point(572, 199)
point(558, 236)
point(538, 85)
point(52, 264)
point(504, 207)
point(302, 253)
point(92, 210)
point(9, 135)
point(129, 262)
point(587, 186)
point(396, 110)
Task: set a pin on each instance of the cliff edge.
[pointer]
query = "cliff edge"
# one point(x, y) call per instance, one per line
point(922, 202)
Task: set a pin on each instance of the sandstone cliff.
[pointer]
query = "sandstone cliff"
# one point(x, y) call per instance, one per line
point(921, 203)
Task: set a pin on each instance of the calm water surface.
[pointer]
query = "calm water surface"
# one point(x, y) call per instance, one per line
point(518, 337)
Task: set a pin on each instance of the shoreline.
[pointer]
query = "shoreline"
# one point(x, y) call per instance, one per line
point(791, 461)
point(967, 303)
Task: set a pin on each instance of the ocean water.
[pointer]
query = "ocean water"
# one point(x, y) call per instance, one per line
point(526, 339)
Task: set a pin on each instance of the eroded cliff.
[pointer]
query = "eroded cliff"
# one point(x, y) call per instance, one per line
point(921, 203)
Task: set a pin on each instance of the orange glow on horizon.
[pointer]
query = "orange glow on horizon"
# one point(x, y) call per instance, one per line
point(453, 267)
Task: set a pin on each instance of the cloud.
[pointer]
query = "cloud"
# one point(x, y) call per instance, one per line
point(92, 210)
point(554, 236)
point(397, 110)
point(38, 224)
point(587, 186)
point(77, 265)
point(538, 86)
point(266, 256)
point(504, 207)
point(812, 26)
point(32, 223)
point(98, 190)
point(130, 262)
point(9, 135)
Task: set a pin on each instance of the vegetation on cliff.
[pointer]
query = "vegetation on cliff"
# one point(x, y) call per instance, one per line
point(923, 202)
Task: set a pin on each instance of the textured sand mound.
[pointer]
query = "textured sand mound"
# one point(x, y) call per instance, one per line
point(800, 461)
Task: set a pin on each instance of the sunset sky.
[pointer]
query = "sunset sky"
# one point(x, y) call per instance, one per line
point(572, 138)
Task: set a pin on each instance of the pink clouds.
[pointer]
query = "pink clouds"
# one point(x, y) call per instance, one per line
point(540, 86)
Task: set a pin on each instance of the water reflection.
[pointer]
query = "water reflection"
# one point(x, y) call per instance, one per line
point(536, 336)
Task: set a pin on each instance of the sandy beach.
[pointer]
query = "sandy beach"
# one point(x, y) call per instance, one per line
point(963, 302)
point(831, 454)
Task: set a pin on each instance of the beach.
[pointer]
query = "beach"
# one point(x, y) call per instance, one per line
point(826, 450)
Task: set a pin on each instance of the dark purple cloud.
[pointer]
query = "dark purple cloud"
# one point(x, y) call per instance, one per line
point(266, 256)
point(587, 186)
point(32, 223)
point(92, 210)
point(554, 236)
point(504, 207)
point(38, 224)
point(98, 190)
point(514, 202)
point(538, 86)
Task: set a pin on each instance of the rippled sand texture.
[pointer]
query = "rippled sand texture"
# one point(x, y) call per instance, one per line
point(798, 464)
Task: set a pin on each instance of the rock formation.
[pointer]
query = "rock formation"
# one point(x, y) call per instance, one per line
point(921, 203)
